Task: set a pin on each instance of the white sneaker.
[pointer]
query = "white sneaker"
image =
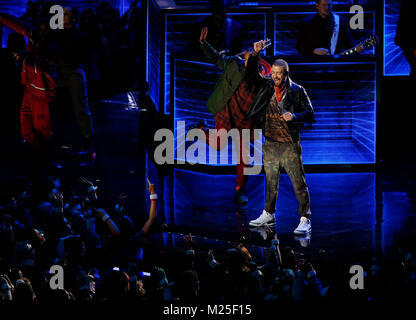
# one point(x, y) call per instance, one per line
point(265, 219)
point(304, 226)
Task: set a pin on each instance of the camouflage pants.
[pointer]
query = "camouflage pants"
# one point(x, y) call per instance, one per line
point(277, 155)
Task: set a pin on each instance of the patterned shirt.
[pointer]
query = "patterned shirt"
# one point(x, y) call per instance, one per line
point(276, 128)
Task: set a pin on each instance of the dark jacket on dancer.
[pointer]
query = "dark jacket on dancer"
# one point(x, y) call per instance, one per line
point(296, 102)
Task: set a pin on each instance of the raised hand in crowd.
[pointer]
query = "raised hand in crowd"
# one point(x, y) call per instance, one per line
point(152, 212)
point(105, 218)
point(58, 201)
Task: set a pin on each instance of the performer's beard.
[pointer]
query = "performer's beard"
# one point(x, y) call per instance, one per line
point(279, 81)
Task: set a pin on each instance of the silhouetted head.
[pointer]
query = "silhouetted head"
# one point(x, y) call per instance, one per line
point(16, 42)
point(105, 12)
point(117, 285)
point(44, 31)
point(32, 10)
point(70, 17)
point(24, 291)
point(218, 6)
point(288, 258)
point(88, 21)
point(323, 7)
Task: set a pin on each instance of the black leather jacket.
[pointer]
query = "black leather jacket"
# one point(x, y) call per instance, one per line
point(296, 102)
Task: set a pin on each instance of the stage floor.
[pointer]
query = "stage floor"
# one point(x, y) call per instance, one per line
point(352, 213)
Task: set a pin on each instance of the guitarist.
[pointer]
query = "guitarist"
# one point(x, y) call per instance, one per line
point(324, 33)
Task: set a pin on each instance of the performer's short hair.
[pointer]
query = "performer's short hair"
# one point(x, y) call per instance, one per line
point(282, 63)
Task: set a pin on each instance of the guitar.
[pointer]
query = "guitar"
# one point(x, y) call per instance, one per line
point(367, 43)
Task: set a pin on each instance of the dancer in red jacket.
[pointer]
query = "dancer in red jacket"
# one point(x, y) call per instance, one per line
point(39, 85)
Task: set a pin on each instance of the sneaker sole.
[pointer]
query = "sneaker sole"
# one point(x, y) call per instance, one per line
point(262, 225)
point(301, 232)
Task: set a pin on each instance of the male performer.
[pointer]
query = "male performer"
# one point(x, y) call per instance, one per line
point(324, 33)
point(282, 106)
point(231, 99)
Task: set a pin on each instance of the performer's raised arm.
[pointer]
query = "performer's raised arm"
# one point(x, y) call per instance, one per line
point(253, 61)
point(215, 57)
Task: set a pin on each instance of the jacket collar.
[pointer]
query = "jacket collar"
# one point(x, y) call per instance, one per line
point(290, 84)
